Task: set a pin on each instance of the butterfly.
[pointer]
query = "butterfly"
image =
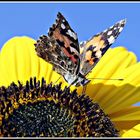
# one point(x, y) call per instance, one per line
point(69, 58)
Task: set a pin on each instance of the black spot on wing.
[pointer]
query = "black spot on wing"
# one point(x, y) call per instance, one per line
point(113, 32)
point(91, 48)
point(64, 32)
point(61, 43)
point(103, 50)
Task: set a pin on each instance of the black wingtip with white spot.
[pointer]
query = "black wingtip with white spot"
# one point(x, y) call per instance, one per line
point(60, 19)
point(121, 24)
point(123, 21)
point(59, 14)
point(113, 32)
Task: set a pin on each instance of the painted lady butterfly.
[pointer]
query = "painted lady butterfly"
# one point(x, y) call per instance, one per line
point(69, 58)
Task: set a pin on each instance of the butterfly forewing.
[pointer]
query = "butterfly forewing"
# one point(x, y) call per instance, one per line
point(60, 48)
point(92, 50)
point(64, 34)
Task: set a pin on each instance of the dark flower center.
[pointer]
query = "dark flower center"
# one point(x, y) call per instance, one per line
point(43, 118)
point(38, 109)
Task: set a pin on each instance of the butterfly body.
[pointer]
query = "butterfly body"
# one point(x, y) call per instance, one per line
point(69, 58)
point(76, 80)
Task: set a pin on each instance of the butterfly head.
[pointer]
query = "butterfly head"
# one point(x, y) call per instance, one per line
point(76, 80)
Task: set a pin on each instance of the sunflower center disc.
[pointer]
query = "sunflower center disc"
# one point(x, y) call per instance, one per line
point(41, 119)
point(38, 109)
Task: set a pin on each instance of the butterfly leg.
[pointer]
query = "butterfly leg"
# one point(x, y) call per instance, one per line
point(57, 80)
point(84, 89)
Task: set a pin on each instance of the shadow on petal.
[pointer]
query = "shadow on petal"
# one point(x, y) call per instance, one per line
point(113, 98)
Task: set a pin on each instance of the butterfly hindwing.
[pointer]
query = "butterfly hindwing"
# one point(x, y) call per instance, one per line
point(92, 50)
point(48, 51)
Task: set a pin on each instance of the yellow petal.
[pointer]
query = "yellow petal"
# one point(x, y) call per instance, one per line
point(119, 97)
point(111, 64)
point(124, 126)
point(127, 114)
point(131, 75)
point(134, 132)
point(4, 80)
point(15, 60)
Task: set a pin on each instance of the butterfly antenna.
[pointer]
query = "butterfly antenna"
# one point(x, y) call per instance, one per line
point(120, 79)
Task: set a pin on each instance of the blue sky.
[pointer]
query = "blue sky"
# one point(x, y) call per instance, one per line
point(87, 19)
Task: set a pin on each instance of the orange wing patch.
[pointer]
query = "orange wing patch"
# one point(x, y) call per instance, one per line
point(73, 59)
point(91, 62)
point(96, 41)
point(91, 53)
point(102, 44)
point(62, 38)
point(88, 55)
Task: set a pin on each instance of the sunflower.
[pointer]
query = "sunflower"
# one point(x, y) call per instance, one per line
point(34, 103)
